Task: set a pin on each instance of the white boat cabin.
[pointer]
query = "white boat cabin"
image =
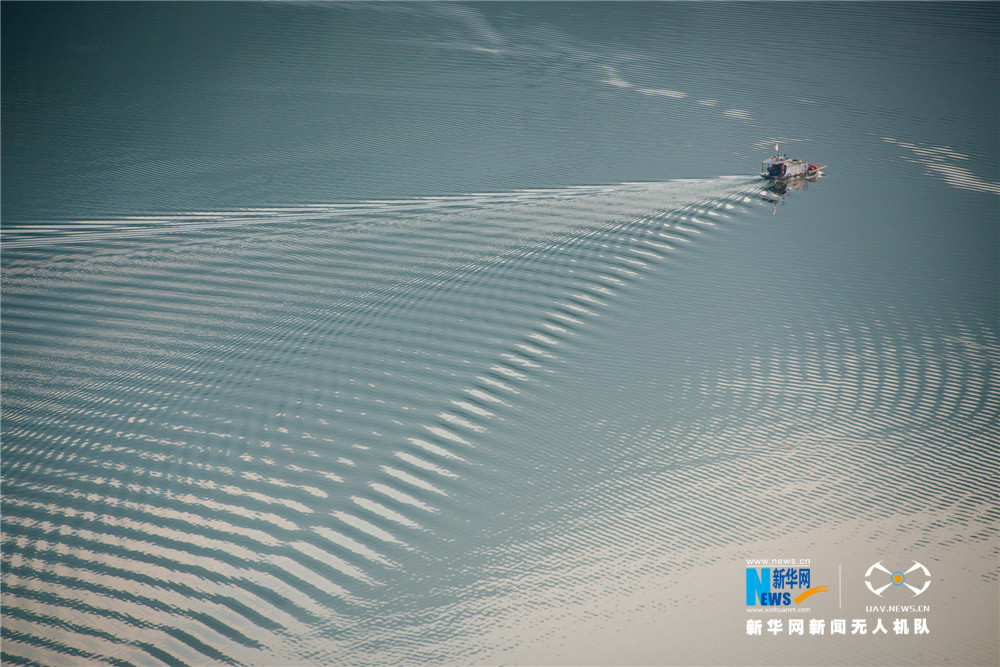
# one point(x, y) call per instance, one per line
point(780, 166)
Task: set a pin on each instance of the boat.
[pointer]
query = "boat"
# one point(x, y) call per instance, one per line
point(783, 168)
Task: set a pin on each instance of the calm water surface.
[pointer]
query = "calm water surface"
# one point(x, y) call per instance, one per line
point(441, 333)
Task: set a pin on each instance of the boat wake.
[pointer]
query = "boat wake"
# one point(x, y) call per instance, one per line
point(427, 430)
point(236, 437)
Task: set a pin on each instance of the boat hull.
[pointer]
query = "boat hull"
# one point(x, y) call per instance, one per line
point(793, 172)
point(782, 168)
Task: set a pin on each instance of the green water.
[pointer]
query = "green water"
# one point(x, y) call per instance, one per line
point(439, 333)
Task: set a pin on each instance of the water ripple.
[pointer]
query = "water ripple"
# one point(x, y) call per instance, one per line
point(233, 424)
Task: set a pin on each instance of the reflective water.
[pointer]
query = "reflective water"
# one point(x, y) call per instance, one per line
point(423, 333)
